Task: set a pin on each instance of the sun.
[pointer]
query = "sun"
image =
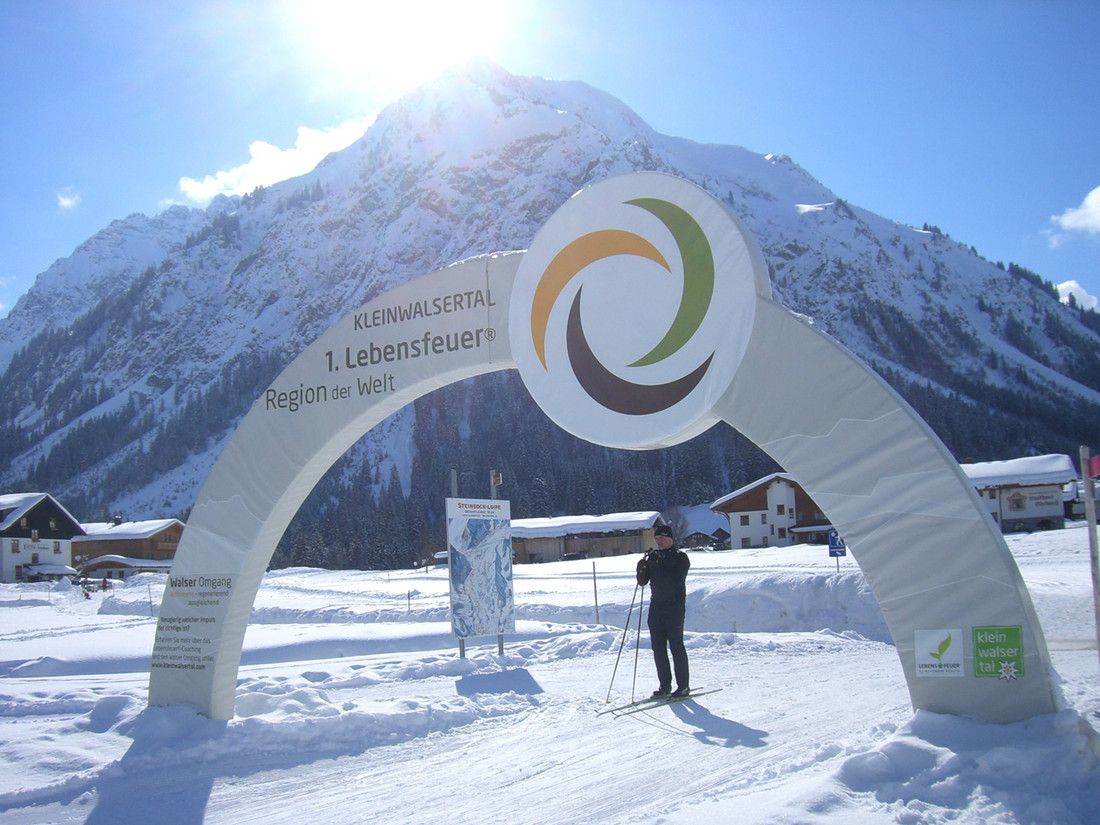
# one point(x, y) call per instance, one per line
point(384, 48)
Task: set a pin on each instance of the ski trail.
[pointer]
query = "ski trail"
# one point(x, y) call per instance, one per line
point(535, 768)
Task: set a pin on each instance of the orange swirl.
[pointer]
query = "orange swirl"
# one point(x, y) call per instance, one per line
point(585, 250)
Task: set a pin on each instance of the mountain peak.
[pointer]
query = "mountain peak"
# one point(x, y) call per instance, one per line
point(480, 70)
point(480, 96)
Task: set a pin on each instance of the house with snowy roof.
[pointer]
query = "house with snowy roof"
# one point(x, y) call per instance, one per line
point(1024, 494)
point(1020, 494)
point(36, 535)
point(773, 511)
point(118, 549)
point(537, 540)
point(698, 526)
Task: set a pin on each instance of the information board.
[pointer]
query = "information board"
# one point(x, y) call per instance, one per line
point(479, 549)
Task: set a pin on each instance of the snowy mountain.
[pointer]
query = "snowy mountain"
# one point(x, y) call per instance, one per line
point(108, 261)
point(127, 364)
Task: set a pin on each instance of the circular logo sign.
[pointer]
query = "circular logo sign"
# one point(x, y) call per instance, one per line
point(632, 310)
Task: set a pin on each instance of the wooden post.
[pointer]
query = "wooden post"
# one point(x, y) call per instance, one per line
point(494, 481)
point(454, 494)
point(595, 593)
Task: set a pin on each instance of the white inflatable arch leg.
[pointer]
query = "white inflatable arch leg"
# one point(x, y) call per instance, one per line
point(910, 517)
point(420, 336)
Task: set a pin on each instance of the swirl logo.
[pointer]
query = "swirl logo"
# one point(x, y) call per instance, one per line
point(629, 314)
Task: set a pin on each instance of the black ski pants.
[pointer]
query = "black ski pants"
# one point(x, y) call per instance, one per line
point(666, 632)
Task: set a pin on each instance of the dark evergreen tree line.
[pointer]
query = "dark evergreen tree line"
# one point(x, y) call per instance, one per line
point(203, 416)
point(489, 423)
point(1024, 274)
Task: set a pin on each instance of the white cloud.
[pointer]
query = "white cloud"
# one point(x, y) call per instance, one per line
point(269, 164)
point(68, 198)
point(1084, 218)
point(1083, 299)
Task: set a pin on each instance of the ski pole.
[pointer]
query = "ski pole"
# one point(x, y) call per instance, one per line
point(638, 644)
point(626, 629)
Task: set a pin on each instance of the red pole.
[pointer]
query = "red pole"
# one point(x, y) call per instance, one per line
point(1094, 557)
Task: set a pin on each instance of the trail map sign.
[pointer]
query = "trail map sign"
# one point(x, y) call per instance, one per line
point(641, 315)
point(479, 548)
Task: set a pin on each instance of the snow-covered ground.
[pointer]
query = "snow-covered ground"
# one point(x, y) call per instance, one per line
point(353, 706)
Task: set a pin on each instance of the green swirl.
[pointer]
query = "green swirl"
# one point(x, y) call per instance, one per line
point(698, 262)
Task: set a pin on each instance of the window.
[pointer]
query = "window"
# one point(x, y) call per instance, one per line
point(780, 509)
point(57, 548)
point(53, 523)
point(34, 558)
point(763, 518)
point(773, 530)
point(23, 522)
point(746, 543)
point(782, 532)
point(15, 545)
point(744, 521)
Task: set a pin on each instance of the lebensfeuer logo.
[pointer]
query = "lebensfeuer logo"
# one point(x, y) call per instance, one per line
point(938, 653)
point(622, 298)
point(601, 384)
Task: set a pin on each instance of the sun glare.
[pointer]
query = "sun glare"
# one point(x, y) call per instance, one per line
point(389, 47)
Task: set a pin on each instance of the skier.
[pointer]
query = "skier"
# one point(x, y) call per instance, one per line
point(665, 570)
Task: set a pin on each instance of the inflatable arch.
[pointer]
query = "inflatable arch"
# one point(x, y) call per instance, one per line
point(640, 316)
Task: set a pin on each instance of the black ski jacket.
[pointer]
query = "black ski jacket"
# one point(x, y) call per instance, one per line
point(665, 571)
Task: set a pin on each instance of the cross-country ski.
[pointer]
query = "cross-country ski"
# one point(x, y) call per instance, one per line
point(653, 702)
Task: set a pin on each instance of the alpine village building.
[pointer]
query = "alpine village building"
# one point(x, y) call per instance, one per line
point(36, 537)
point(773, 511)
point(561, 538)
point(1020, 494)
point(118, 549)
point(41, 540)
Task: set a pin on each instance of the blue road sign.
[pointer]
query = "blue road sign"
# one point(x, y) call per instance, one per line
point(837, 547)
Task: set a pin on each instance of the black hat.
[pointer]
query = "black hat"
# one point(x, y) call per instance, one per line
point(663, 529)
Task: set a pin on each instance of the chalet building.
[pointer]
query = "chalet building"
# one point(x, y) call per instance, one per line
point(537, 540)
point(719, 538)
point(118, 549)
point(36, 536)
point(773, 511)
point(1024, 494)
point(698, 527)
point(1021, 494)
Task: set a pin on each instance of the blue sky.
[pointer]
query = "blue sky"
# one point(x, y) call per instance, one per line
point(979, 117)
